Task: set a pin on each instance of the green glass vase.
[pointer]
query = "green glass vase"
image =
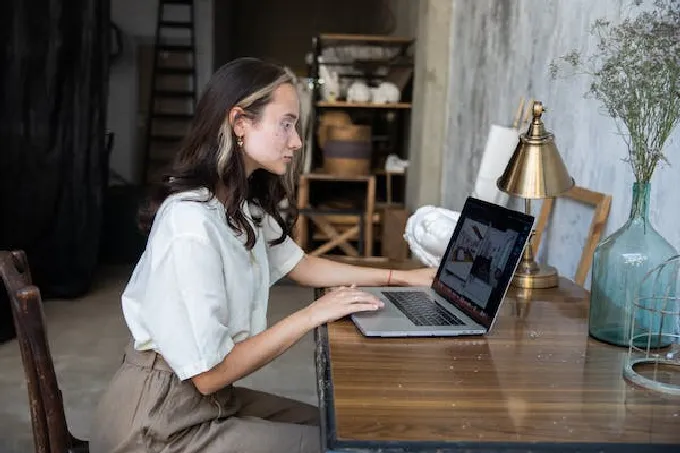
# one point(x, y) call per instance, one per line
point(620, 263)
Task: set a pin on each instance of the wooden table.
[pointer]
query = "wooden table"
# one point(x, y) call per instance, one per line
point(536, 383)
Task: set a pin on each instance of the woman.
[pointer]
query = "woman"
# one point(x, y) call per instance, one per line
point(197, 300)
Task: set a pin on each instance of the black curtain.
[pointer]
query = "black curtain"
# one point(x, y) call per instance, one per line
point(53, 160)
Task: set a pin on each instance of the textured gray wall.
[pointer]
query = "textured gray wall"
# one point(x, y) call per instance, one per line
point(501, 51)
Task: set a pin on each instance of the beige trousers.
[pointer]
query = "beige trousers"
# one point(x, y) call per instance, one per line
point(146, 408)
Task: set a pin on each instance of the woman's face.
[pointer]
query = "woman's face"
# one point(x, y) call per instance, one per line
point(270, 142)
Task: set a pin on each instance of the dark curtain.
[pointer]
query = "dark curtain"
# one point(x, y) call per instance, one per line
point(53, 161)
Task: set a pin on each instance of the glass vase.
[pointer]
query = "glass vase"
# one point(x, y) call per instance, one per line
point(620, 263)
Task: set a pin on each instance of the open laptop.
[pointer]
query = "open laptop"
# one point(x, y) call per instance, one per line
point(471, 282)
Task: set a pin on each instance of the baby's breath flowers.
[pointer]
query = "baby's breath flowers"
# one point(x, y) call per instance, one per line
point(636, 75)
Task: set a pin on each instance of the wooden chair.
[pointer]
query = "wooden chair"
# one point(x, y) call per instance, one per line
point(601, 202)
point(50, 433)
point(360, 222)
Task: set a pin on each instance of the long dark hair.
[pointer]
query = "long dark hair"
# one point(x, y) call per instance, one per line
point(208, 154)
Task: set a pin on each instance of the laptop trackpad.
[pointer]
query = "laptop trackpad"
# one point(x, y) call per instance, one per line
point(389, 311)
point(389, 318)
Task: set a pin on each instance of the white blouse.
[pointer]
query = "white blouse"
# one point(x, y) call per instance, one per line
point(196, 290)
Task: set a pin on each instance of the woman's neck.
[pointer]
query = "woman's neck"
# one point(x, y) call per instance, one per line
point(221, 193)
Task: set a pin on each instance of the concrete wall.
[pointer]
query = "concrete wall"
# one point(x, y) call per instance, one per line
point(500, 50)
point(430, 109)
point(137, 20)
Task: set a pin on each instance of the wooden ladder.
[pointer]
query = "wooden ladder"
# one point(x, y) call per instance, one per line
point(173, 93)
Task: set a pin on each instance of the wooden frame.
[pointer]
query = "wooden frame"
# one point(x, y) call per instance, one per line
point(320, 219)
point(601, 202)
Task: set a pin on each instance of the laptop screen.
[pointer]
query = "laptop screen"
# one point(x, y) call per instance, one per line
point(481, 258)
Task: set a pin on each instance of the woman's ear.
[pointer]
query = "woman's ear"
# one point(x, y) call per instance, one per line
point(237, 120)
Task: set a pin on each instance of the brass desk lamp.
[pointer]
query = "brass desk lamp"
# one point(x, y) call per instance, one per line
point(535, 171)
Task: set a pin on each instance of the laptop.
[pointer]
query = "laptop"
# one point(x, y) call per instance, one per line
point(471, 282)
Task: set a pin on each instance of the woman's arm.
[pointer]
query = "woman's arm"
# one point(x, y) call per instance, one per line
point(318, 272)
point(251, 354)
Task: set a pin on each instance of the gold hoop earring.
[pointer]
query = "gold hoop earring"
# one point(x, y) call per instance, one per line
point(239, 142)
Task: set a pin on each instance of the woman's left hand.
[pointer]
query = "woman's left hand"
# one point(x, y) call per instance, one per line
point(417, 277)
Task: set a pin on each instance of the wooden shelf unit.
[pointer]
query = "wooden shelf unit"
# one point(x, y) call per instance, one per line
point(344, 38)
point(363, 105)
point(390, 130)
point(390, 122)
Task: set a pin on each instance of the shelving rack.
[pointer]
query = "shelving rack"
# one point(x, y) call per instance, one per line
point(390, 131)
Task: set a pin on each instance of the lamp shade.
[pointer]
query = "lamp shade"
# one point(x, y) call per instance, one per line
point(535, 169)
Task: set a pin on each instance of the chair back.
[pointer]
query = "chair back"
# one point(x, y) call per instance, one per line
point(601, 202)
point(50, 432)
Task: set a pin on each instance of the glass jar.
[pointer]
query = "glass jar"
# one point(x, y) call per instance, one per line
point(620, 263)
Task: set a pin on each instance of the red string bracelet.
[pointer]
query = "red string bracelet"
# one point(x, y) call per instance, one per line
point(389, 278)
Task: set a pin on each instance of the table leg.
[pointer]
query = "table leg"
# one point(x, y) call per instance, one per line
point(370, 209)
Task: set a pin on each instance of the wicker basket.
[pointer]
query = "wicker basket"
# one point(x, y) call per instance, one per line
point(329, 119)
point(348, 150)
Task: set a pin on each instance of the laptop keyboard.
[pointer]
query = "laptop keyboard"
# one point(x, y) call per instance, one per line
point(421, 310)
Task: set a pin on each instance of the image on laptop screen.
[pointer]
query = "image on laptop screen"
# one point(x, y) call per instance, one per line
point(481, 258)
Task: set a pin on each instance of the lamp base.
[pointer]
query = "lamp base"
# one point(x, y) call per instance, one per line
point(543, 277)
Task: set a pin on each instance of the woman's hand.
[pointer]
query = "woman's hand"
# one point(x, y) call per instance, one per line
point(339, 303)
point(415, 277)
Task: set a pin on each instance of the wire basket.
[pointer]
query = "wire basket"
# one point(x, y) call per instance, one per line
point(653, 359)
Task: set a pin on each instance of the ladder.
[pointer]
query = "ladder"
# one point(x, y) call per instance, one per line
point(173, 90)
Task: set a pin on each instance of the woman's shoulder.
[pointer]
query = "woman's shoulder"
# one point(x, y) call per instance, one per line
point(194, 212)
point(188, 199)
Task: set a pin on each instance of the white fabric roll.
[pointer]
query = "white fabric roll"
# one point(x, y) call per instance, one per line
point(500, 145)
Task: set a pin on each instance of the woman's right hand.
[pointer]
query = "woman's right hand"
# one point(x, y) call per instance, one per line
point(341, 302)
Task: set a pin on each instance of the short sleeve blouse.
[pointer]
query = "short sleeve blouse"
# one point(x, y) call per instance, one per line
point(196, 291)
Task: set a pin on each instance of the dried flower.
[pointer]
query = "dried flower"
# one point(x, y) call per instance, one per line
point(636, 75)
